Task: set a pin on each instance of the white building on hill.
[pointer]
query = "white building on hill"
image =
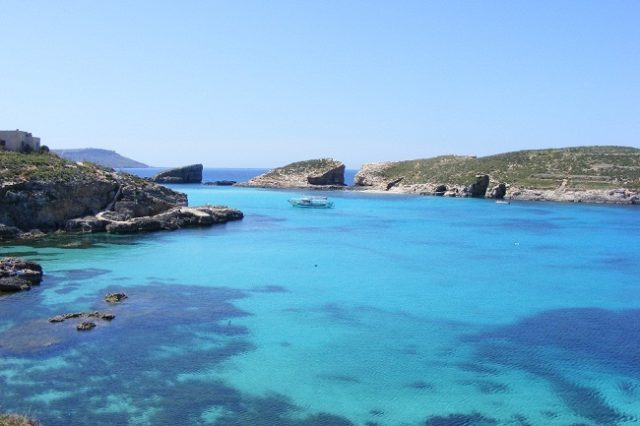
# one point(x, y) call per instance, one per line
point(16, 140)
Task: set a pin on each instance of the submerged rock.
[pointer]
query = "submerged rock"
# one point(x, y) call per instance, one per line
point(186, 174)
point(18, 274)
point(115, 297)
point(17, 420)
point(86, 325)
point(107, 316)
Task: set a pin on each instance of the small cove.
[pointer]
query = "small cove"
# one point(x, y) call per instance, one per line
point(384, 310)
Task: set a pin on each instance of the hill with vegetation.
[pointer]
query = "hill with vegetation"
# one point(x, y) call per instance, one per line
point(578, 169)
point(102, 157)
point(43, 192)
point(302, 174)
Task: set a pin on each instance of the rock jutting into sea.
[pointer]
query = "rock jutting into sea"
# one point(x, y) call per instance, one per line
point(596, 174)
point(186, 174)
point(44, 193)
point(221, 183)
point(321, 173)
point(18, 274)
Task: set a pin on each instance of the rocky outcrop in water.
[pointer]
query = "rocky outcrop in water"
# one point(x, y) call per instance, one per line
point(99, 315)
point(46, 193)
point(186, 174)
point(176, 218)
point(115, 297)
point(322, 173)
point(477, 189)
point(18, 274)
point(86, 326)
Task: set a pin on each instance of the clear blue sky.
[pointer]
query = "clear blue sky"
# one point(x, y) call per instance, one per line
point(263, 83)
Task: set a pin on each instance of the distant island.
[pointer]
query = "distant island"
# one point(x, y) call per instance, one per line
point(592, 174)
point(102, 157)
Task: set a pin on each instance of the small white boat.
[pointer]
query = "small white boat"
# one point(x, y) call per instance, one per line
point(311, 202)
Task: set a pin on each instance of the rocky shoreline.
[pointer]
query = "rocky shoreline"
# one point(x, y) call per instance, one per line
point(43, 194)
point(595, 175)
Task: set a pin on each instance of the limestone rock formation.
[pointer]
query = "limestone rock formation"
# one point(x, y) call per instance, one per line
point(186, 174)
point(477, 189)
point(46, 193)
point(372, 175)
point(590, 174)
point(49, 204)
point(18, 274)
point(499, 191)
point(176, 218)
point(324, 172)
point(440, 190)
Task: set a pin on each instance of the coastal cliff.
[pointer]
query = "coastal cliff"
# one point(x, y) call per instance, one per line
point(186, 174)
point(45, 193)
point(319, 173)
point(597, 174)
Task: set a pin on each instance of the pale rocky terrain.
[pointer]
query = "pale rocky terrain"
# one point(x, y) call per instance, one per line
point(319, 173)
point(583, 174)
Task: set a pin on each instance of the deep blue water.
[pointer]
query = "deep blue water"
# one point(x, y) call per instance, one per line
point(386, 310)
point(210, 174)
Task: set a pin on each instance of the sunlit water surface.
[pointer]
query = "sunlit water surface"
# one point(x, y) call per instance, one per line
point(386, 310)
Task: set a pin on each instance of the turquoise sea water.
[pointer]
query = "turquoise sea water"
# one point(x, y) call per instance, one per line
point(386, 310)
point(210, 174)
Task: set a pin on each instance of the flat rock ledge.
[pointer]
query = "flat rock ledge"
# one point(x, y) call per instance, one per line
point(172, 219)
point(107, 316)
point(18, 274)
point(503, 191)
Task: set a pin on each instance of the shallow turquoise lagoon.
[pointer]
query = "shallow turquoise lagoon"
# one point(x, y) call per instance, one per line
point(386, 310)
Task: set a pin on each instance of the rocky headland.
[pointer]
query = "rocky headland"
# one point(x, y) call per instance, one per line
point(102, 157)
point(42, 193)
point(186, 174)
point(324, 173)
point(597, 174)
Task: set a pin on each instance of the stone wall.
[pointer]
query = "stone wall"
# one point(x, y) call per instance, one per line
point(16, 140)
